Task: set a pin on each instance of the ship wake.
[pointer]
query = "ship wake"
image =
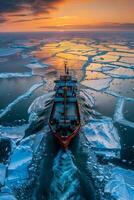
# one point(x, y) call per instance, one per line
point(65, 183)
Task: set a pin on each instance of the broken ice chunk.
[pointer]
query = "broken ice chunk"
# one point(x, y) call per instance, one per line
point(2, 173)
point(121, 184)
point(103, 136)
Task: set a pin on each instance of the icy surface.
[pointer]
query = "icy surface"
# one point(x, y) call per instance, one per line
point(41, 102)
point(15, 133)
point(9, 51)
point(20, 161)
point(33, 141)
point(15, 75)
point(2, 173)
point(121, 184)
point(36, 65)
point(102, 135)
point(6, 196)
point(97, 84)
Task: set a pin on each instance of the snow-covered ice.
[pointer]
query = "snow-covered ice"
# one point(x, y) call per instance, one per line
point(15, 75)
point(15, 133)
point(97, 84)
point(7, 196)
point(2, 173)
point(121, 184)
point(41, 102)
point(20, 161)
point(102, 136)
point(33, 141)
point(36, 65)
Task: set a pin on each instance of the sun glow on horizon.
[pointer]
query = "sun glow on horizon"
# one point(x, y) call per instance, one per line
point(68, 15)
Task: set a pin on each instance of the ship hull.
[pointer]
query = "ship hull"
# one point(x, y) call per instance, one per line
point(64, 118)
point(65, 142)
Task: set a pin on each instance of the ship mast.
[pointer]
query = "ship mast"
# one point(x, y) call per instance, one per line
point(65, 93)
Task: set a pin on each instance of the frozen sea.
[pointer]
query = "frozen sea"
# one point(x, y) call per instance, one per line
point(99, 163)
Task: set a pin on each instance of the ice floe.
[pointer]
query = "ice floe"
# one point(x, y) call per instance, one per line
point(72, 56)
point(15, 133)
point(105, 58)
point(121, 184)
point(41, 102)
point(21, 160)
point(121, 72)
point(129, 60)
point(2, 173)
point(97, 84)
point(36, 65)
point(102, 135)
point(20, 98)
point(15, 75)
point(122, 54)
point(7, 196)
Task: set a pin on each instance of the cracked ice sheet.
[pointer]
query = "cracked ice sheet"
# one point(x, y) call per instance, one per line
point(72, 56)
point(122, 54)
point(121, 64)
point(100, 67)
point(121, 184)
point(105, 58)
point(41, 102)
point(129, 60)
point(21, 160)
point(2, 173)
point(15, 133)
point(36, 65)
point(97, 84)
point(123, 87)
point(73, 46)
point(121, 72)
point(95, 75)
point(6, 196)
point(119, 47)
point(102, 136)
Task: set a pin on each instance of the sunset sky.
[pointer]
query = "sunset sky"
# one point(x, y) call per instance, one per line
point(62, 15)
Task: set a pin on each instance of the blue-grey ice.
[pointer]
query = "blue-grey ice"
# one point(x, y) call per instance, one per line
point(102, 136)
point(2, 173)
point(15, 75)
point(121, 184)
point(97, 84)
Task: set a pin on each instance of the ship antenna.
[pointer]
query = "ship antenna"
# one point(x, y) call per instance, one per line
point(65, 67)
point(67, 71)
